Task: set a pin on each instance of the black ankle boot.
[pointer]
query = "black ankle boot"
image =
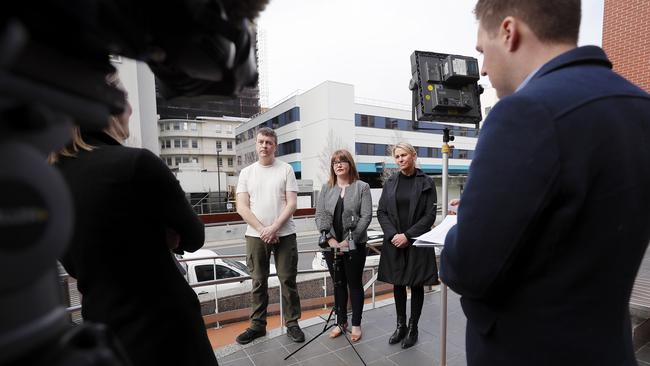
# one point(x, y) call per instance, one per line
point(400, 332)
point(412, 335)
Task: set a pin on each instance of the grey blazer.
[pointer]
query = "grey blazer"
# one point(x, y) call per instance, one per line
point(357, 201)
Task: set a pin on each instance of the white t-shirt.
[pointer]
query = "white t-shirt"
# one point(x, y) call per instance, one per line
point(267, 187)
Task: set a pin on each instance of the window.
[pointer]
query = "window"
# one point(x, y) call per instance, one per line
point(230, 162)
point(217, 127)
point(168, 126)
point(209, 272)
point(168, 144)
point(224, 272)
point(229, 145)
point(289, 147)
point(220, 162)
point(218, 145)
point(392, 124)
point(185, 126)
point(238, 159)
point(177, 143)
point(195, 159)
point(186, 159)
point(162, 144)
point(184, 143)
point(367, 121)
point(193, 126)
point(168, 161)
point(195, 144)
point(177, 160)
point(162, 127)
point(177, 126)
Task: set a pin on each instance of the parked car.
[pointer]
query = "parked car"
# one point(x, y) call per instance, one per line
point(203, 270)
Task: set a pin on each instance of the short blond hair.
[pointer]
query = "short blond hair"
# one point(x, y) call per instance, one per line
point(404, 146)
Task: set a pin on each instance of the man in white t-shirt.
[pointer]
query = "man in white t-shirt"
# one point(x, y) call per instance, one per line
point(266, 200)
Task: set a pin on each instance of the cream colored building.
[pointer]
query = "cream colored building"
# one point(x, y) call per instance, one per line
point(206, 141)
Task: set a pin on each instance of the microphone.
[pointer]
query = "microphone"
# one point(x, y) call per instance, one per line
point(325, 224)
point(348, 225)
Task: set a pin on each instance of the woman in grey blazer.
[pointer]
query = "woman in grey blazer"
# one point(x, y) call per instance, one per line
point(345, 207)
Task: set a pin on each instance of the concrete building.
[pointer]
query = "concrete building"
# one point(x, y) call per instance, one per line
point(626, 39)
point(209, 142)
point(311, 125)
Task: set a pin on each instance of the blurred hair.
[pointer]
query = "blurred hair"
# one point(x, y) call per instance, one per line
point(550, 20)
point(343, 155)
point(77, 142)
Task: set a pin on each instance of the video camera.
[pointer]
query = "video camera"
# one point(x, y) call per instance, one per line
point(54, 59)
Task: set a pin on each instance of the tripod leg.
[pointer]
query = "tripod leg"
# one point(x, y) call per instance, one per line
point(325, 329)
point(352, 345)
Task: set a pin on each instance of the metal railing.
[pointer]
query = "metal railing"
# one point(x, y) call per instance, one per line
point(373, 244)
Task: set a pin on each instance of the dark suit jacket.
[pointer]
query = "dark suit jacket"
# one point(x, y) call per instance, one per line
point(124, 199)
point(411, 265)
point(555, 219)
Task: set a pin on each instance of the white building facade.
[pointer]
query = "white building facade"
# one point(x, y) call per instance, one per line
point(138, 80)
point(312, 125)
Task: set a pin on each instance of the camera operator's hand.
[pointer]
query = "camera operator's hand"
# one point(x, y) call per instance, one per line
point(400, 241)
point(453, 206)
point(172, 238)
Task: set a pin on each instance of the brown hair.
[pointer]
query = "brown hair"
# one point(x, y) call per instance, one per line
point(268, 132)
point(550, 20)
point(343, 155)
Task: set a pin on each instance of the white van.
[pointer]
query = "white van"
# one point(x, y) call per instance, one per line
point(209, 269)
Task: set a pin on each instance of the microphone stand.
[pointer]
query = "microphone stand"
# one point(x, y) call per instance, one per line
point(336, 266)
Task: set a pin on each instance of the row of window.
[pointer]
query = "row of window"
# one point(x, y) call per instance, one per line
point(178, 126)
point(423, 151)
point(283, 119)
point(186, 143)
point(387, 123)
point(175, 160)
point(192, 126)
point(179, 143)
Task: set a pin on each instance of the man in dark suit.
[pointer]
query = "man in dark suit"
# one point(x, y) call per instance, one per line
point(555, 217)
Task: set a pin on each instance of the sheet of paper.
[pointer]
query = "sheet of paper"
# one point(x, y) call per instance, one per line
point(437, 235)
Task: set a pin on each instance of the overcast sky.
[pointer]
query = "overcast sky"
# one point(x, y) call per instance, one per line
point(367, 43)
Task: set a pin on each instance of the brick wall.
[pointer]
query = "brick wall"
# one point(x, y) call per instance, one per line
point(626, 39)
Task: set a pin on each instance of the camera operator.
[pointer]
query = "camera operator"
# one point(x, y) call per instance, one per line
point(347, 200)
point(120, 256)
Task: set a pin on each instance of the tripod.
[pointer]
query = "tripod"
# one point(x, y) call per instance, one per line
point(336, 266)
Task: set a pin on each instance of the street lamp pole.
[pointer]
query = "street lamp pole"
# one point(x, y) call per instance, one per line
point(218, 181)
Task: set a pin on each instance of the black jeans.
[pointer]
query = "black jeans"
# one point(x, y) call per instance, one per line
point(349, 274)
